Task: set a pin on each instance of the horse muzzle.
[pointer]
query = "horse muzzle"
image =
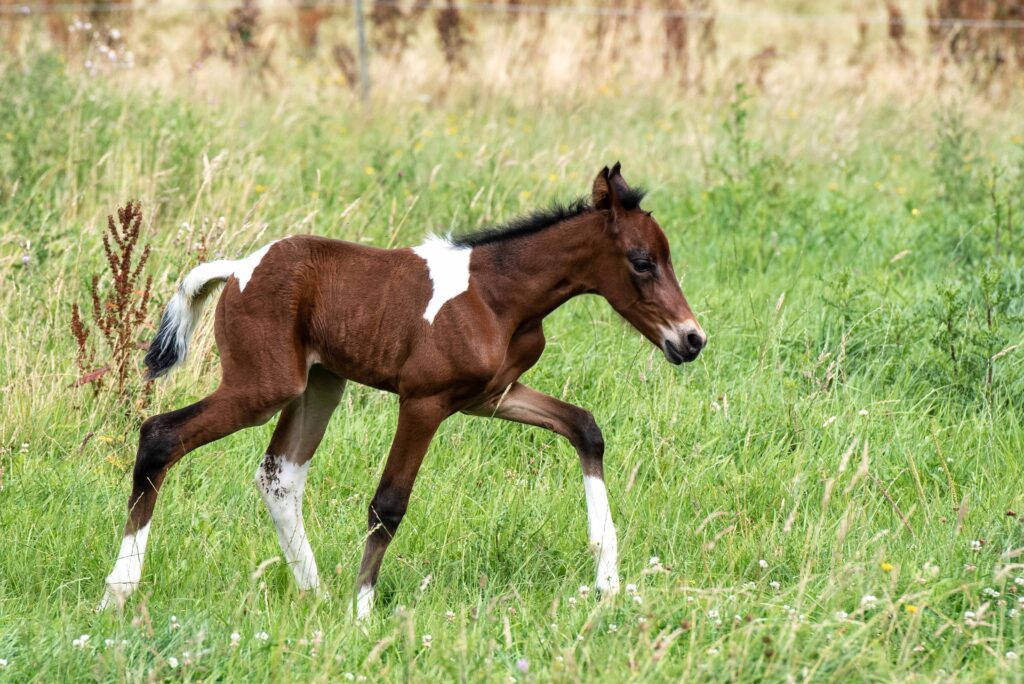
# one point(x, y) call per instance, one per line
point(683, 343)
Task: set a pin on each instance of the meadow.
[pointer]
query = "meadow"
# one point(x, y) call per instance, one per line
point(830, 492)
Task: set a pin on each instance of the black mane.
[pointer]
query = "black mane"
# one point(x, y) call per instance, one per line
point(541, 219)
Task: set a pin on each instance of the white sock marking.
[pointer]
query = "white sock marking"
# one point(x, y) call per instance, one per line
point(448, 266)
point(602, 534)
point(364, 601)
point(127, 572)
point(281, 484)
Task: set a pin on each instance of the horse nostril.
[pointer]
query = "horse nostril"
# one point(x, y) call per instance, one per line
point(695, 340)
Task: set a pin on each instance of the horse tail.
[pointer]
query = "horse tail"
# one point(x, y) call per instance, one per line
point(170, 346)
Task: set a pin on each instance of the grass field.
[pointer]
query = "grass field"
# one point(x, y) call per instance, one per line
point(831, 491)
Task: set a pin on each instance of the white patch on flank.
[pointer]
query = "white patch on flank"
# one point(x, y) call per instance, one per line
point(186, 306)
point(245, 267)
point(364, 601)
point(127, 572)
point(448, 265)
point(281, 484)
point(602, 534)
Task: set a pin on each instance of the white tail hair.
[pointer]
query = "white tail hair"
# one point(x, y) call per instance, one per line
point(170, 346)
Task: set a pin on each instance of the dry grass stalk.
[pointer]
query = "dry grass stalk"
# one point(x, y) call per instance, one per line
point(242, 24)
point(676, 40)
point(452, 35)
point(347, 64)
point(969, 33)
point(897, 24)
point(393, 28)
point(309, 16)
point(118, 314)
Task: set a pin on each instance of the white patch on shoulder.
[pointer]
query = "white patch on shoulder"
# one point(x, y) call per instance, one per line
point(448, 265)
point(244, 267)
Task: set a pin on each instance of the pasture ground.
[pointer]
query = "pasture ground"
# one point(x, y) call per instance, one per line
point(833, 491)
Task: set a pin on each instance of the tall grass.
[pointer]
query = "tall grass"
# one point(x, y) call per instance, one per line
point(830, 492)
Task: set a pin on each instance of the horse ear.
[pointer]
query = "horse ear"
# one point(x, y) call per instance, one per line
point(617, 182)
point(603, 194)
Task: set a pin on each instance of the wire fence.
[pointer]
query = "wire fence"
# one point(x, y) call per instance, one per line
point(754, 17)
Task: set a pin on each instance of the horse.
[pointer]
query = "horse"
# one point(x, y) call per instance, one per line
point(449, 326)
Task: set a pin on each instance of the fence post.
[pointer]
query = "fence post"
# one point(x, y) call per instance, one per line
point(364, 73)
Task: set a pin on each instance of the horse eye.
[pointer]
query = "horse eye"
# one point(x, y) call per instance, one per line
point(642, 265)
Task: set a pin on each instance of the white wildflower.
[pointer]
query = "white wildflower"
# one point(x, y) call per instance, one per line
point(174, 623)
point(774, 584)
point(1019, 581)
point(630, 589)
point(763, 564)
point(235, 638)
point(829, 421)
point(173, 662)
point(262, 636)
point(975, 545)
point(713, 651)
point(80, 641)
point(427, 640)
point(868, 601)
point(425, 582)
point(449, 615)
point(613, 627)
point(637, 600)
point(1011, 655)
point(3, 663)
point(584, 590)
point(841, 615)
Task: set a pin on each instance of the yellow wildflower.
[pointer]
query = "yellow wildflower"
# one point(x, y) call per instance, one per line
point(370, 170)
point(915, 212)
point(886, 567)
point(910, 608)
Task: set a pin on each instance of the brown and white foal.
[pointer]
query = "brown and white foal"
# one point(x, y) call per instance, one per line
point(449, 326)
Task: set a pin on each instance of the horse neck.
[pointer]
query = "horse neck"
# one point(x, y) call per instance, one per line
point(526, 278)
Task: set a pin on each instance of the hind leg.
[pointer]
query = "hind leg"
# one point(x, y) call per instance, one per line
point(163, 440)
point(281, 477)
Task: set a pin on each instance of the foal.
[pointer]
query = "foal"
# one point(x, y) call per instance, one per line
point(449, 326)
